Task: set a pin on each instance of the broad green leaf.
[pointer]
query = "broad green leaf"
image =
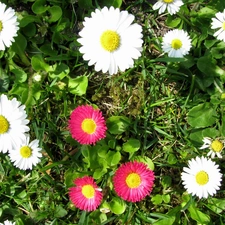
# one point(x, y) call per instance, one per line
point(28, 19)
point(216, 205)
point(98, 173)
point(202, 115)
point(157, 199)
point(59, 212)
point(38, 63)
point(4, 81)
point(145, 160)
point(166, 221)
point(198, 216)
point(166, 181)
point(117, 124)
point(39, 7)
point(55, 13)
point(59, 71)
point(78, 85)
point(19, 46)
point(117, 206)
point(113, 158)
point(132, 145)
point(172, 159)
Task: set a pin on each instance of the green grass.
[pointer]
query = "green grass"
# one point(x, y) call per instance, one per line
point(153, 101)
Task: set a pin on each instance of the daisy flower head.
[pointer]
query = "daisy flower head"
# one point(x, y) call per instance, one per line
point(26, 154)
point(202, 177)
point(133, 181)
point(7, 223)
point(219, 23)
point(86, 195)
point(13, 123)
point(172, 6)
point(176, 43)
point(110, 41)
point(216, 146)
point(8, 26)
point(87, 125)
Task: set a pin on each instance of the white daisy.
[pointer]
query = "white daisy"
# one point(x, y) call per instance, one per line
point(110, 40)
point(173, 6)
point(216, 146)
point(176, 43)
point(219, 23)
point(26, 154)
point(8, 26)
point(7, 223)
point(202, 177)
point(13, 123)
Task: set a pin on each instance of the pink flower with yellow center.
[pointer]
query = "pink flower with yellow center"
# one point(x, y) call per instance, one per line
point(133, 181)
point(86, 195)
point(87, 125)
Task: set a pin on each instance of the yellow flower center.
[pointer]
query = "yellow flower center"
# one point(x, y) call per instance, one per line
point(4, 125)
point(176, 44)
point(88, 126)
point(1, 26)
point(217, 146)
point(110, 40)
point(25, 151)
point(168, 1)
point(202, 177)
point(223, 26)
point(88, 191)
point(133, 180)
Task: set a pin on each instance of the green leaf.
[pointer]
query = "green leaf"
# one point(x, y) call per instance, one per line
point(198, 216)
point(38, 63)
point(132, 145)
point(59, 71)
point(157, 199)
point(19, 46)
point(113, 158)
point(99, 173)
point(117, 206)
point(55, 13)
point(216, 205)
point(202, 115)
point(4, 81)
point(166, 221)
point(27, 19)
point(78, 85)
point(172, 159)
point(145, 160)
point(59, 212)
point(117, 124)
point(166, 181)
point(39, 7)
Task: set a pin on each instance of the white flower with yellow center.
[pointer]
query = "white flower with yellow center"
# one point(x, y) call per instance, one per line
point(6, 222)
point(216, 146)
point(13, 123)
point(173, 6)
point(8, 26)
point(110, 41)
point(202, 177)
point(176, 43)
point(219, 23)
point(26, 154)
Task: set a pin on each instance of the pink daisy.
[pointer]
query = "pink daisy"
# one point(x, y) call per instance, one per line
point(86, 195)
point(87, 125)
point(133, 181)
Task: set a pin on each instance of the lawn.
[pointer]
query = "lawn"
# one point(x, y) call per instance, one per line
point(112, 112)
